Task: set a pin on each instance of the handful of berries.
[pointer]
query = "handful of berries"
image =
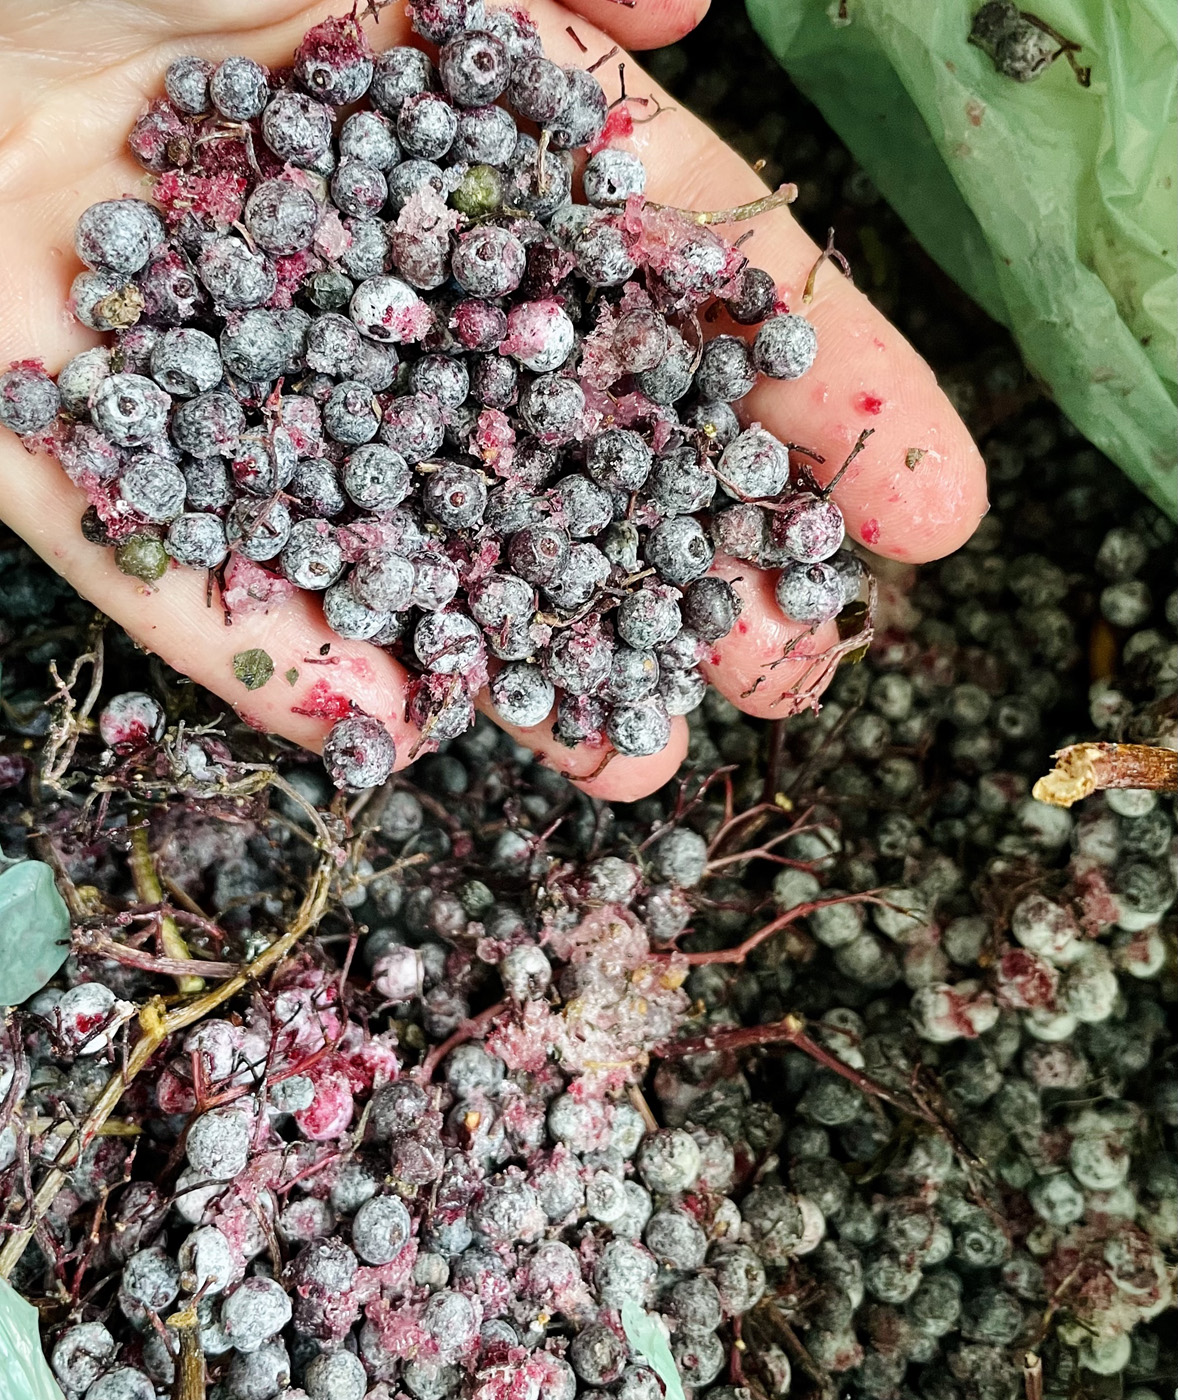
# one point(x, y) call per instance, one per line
point(388, 359)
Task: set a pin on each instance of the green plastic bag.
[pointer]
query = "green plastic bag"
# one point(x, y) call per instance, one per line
point(24, 1372)
point(1053, 205)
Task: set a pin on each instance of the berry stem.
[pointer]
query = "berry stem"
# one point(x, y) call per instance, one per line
point(474, 1029)
point(780, 197)
point(829, 254)
point(860, 444)
point(150, 891)
point(754, 940)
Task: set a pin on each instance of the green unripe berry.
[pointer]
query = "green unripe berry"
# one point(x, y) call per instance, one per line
point(142, 557)
point(480, 193)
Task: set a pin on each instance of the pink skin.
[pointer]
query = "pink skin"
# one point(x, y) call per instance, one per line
point(60, 124)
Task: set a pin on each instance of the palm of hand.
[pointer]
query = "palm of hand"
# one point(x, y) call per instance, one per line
point(72, 81)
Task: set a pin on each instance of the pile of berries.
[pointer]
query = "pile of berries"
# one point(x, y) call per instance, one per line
point(388, 359)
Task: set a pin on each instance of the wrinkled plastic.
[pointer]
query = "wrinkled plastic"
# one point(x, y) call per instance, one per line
point(1053, 205)
point(24, 1372)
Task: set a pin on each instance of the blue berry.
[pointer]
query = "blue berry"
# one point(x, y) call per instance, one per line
point(602, 252)
point(754, 297)
point(486, 136)
point(129, 409)
point(488, 261)
point(809, 592)
point(649, 617)
point(710, 608)
point(439, 21)
point(399, 73)
point(671, 378)
point(756, 464)
point(426, 125)
point(154, 487)
point(385, 309)
point(236, 276)
point(238, 89)
point(315, 485)
point(610, 177)
point(348, 617)
point(552, 406)
point(29, 402)
point(186, 362)
point(537, 186)
point(474, 68)
point(444, 377)
point(359, 753)
point(583, 576)
point(522, 694)
point(809, 528)
point(633, 675)
point(368, 136)
point(785, 347)
point(334, 61)
point(351, 414)
point(297, 128)
point(358, 189)
point(578, 661)
point(384, 580)
point(455, 496)
point(376, 477)
point(639, 728)
point(448, 643)
point(681, 482)
point(582, 118)
point(281, 216)
point(725, 371)
point(186, 82)
point(435, 581)
point(679, 549)
point(255, 346)
point(414, 426)
point(118, 235)
point(312, 558)
point(538, 553)
point(78, 380)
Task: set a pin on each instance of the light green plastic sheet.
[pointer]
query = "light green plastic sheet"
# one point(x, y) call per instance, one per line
point(24, 1372)
point(1053, 205)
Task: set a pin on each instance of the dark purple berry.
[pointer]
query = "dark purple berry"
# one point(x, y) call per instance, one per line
point(448, 643)
point(187, 84)
point(785, 347)
point(358, 189)
point(399, 73)
point(281, 216)
point(359, 752)
point(29, 401)
point(474, 68)
point(455, 496)
point(725, 371)
point(582, 118)
point(426, 125)
point(539, 89)
point(809, 592)
point(538, 553)
point(679, 549)
point(238, 89)
point(809, 528)
point(297, 128)
point(710, 608)
point(334, 61)
point(522, 694)
point(753, 298)
point(612, 176)
point(312, 558)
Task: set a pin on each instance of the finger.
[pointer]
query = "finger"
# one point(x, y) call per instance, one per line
point(642, 24)
point(599, 772)
point(865, 375)
point(768, 665)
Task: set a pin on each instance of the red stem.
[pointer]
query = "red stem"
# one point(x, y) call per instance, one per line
point(474, 1029)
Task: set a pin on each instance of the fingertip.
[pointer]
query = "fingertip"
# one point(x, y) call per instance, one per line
point(647, 24)
point(768, 666)
point(598, 770)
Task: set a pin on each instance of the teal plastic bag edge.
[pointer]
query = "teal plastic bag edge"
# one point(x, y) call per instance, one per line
point(861, 74)
point(24, 1372)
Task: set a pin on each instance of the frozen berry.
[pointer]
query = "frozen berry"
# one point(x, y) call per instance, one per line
point(359, 752)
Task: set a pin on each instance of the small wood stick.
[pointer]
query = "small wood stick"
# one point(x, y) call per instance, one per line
point(189, 1383)
point(1082, 769)
point(1032, 1376)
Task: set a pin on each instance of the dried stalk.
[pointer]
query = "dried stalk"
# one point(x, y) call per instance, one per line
point(474, 1029)
point(1082, 769)
point(783, 195)
point(189, 1382)
point(156, 1026)
point(150, 891)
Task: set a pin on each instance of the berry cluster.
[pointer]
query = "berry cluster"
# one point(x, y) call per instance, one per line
point(386, 358)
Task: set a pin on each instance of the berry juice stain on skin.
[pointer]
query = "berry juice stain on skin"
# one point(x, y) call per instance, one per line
point(323, 703)
point(870, 531)
point(868, 403)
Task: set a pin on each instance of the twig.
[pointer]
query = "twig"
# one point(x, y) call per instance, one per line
point(791, 1030)
point(638, 1103)
point(829, 254)
point(783, 195)
point(150, 891)
point(1082, 769)
point(474, 1029)
point(156, 1025)
point(754, 940)
point(189, 1382)
point(1032, 1376)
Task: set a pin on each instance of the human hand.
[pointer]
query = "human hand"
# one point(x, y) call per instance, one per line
point(72, 82)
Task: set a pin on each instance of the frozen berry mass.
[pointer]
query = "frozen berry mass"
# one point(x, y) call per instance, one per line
point(365, 342)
